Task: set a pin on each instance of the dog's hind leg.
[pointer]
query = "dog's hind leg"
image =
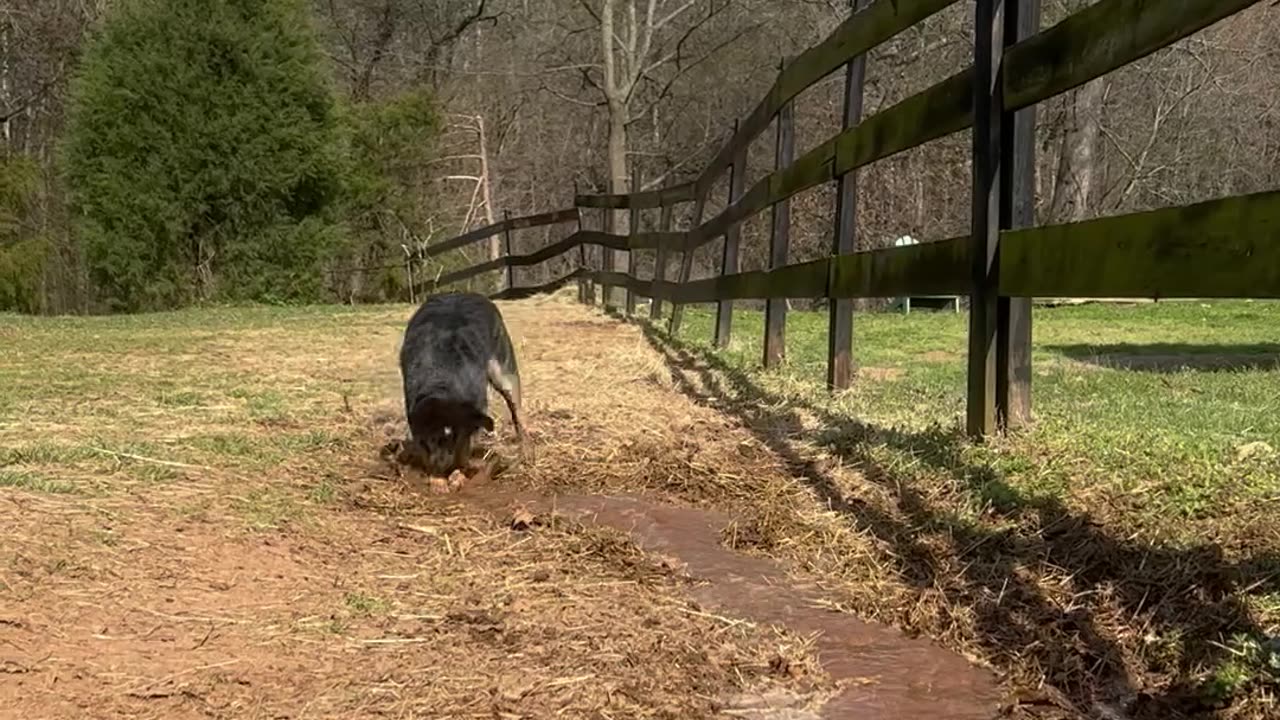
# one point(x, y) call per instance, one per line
point(508, 386)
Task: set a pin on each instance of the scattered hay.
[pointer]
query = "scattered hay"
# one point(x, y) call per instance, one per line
point(295, 571)
point(292, 570)
point(881, 373)
point(1081, 618)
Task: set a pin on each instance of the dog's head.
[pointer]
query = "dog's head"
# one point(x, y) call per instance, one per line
point(442, 430)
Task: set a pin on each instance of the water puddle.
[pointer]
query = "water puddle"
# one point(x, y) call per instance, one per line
point(884, 673)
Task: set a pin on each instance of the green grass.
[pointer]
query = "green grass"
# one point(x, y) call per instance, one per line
point(325, 491)
point(210, 392)
point(34, 482)
point(45, 453)
point(1142, 497)
point(180, 398)
point(1250, 661)
point(235, 446)
point(267, 406)
point(268, 508)
point(1152, 403)
point(364, 604)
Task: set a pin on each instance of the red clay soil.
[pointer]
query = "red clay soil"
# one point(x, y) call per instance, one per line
point(323, 586)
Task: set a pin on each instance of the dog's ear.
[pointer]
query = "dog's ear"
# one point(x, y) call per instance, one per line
point(435, 413)
point(425, 414)
point(484, 421)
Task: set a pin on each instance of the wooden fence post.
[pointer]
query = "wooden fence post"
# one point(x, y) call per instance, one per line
point(1018, 210)
point(582, 257)
point(987, 134)
point(633, 226)
point(775, 309)
point(408, 274)
point(729, 262)
point(840, 329)
point(686, 266)
point(588, 258)
point(660, 263)
point(506, 242)
point(608, 263)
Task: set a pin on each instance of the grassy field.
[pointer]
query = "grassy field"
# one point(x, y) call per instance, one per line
point(196, 522)
point(196, 516)
point(1130, 533)
point(1168, 409)
point(79, 396)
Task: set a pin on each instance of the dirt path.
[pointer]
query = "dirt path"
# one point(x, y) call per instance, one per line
point(320, 585)
point(879, 672)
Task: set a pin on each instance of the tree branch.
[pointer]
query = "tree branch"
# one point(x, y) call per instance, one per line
point(590, 10)
point(673, 15)
point(683, 69)
point(476, 16)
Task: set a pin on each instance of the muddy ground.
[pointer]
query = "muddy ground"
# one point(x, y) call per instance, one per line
point(235, 547)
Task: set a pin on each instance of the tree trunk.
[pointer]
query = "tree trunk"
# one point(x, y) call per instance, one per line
point(616, 94)
point(495, 245)
point(6, 130)
point(1073, 181)
point(618, 160)
point(617, 260)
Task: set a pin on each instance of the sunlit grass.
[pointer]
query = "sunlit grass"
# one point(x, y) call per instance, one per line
point(1172, 407)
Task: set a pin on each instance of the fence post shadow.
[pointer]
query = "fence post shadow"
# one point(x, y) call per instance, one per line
point(1035, 575)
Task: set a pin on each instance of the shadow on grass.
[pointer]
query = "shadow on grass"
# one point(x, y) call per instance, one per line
point(1120, 628)
point(1175, 357)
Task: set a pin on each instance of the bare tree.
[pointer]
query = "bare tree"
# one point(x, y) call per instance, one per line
point(397, 43)
point(585, 91)
point(645, 46)
point(481, 198)
point(1074, 177)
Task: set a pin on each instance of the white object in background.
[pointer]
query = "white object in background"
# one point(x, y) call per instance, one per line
point(903, 241)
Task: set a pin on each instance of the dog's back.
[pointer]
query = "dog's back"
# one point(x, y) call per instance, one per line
point(456, 344)
point(446, 347)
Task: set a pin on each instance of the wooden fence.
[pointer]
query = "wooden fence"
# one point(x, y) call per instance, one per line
point(1222, 248)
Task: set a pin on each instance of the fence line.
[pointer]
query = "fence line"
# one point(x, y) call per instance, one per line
point(506, 225)
point(1228, 247)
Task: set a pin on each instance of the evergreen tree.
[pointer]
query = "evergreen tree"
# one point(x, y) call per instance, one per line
point(390, 189)
point(204, 154)
point(22, 250)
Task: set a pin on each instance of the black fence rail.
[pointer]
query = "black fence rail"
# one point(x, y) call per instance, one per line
point(1228, 247)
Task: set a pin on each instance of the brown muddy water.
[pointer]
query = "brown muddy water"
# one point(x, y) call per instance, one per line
point(884, 673)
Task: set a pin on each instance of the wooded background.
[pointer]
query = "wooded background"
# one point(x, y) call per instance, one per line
point(534, 97)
